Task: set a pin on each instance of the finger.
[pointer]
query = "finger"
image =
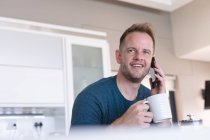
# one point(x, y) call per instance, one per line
point(145, 125)
point(148, 114)
point(148, 117)
point(141, 102)
point(157, 67)
point(142, 109)
point(160, 72)
point(160, 78)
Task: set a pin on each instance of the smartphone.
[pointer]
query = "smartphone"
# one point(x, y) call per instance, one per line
point(152, 73)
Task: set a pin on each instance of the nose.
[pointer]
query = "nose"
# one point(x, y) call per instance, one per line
point(138, 56)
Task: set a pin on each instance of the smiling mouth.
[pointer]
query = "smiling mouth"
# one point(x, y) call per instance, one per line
point(137, 65)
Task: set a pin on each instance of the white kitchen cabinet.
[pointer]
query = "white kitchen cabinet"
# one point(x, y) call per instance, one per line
point(30, 49)
point(44, 67)
point(31, 68)
point(86, 61)
point(31, 86)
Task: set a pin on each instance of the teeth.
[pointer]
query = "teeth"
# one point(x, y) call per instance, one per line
point(138, 65)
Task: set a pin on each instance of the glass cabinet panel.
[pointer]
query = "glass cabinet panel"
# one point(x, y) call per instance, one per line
point(87, 66)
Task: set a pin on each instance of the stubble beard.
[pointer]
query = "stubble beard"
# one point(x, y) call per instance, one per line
point(131, 77)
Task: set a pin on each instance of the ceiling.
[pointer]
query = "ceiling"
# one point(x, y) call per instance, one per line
point(164, 5)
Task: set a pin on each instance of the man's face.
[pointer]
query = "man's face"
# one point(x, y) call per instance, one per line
point(135, 56)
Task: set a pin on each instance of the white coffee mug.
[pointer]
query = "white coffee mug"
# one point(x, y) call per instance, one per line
point(160, 107)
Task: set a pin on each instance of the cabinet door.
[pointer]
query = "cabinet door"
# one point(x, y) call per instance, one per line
point(31, 68)
point(31, 86)
point(85, 61)
point(88, 63)
point(30, 49)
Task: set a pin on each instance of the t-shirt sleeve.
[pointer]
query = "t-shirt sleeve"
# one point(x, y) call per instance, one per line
point(86, 111)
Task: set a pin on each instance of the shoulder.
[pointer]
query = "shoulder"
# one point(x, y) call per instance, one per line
point(90, 104)
point(102, 84)
point(104, 81)
point(99, 87)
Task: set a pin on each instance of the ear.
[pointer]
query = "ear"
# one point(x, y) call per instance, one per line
point(118, 56)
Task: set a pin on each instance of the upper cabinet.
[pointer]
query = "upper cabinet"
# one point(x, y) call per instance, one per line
point(21, 48)
point(31, 68)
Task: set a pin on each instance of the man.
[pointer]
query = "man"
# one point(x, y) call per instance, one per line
point(119, 100)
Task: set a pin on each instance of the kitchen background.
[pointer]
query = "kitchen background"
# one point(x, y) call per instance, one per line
point(181, 35)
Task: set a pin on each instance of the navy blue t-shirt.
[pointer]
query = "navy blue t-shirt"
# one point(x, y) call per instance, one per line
point(101, 103)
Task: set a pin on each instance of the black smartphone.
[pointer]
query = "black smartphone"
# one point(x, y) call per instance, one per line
point(152, 73)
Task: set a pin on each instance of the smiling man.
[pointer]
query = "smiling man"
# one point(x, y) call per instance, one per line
point(119, 100)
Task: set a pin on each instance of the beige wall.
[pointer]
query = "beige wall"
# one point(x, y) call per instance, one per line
point(191, 26)
point(113, 19)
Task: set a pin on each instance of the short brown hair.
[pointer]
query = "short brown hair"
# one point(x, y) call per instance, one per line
point(140, 27)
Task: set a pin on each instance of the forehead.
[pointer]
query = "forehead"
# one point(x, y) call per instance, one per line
point(138, 38)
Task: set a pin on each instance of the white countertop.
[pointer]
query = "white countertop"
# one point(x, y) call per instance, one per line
point(181, 133)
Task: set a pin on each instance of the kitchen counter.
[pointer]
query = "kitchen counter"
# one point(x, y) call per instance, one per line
point(176, 133)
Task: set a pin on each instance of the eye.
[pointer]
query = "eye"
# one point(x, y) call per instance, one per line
point(146, 51)
point(131, 50)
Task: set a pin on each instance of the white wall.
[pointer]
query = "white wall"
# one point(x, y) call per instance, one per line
point(113, 19)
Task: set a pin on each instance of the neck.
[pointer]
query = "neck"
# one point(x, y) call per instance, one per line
point(127, 88)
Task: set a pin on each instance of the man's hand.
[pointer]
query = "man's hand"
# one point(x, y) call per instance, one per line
point(136, 115)
point(159, 75)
